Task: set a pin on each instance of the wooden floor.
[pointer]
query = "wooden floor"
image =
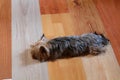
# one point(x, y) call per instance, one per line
point(5, 39)
point(81, 16)
point(22, 22)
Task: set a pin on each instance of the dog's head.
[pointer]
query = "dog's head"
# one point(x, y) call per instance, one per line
point(39, 50)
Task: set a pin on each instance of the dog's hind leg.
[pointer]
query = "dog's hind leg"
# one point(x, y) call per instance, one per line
point(95, 50)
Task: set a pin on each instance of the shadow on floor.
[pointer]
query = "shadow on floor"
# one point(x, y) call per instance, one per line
point(26, 58)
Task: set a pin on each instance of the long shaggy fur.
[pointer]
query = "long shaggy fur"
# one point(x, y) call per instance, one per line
point(70, 46)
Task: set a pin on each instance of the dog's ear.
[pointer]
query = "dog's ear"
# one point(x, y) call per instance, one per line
point(44, 51)
point(43, 38)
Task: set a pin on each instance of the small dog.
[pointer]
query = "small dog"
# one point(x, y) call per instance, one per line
point(70, 46)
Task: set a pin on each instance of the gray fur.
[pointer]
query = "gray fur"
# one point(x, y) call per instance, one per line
point(70, 46)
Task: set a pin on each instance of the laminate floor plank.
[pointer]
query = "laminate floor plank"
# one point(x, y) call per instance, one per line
point(53, 6)
point(5, 39)
point(82, 17)
point(26, 29)
point(110, 15)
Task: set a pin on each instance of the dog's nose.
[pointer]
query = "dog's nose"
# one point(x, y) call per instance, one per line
point(33, 56)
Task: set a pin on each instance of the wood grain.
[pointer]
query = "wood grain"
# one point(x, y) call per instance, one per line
point(71, 69)
point(53, 6)
point(57, 25)
point(110, 14)
point(26, 29)
point(99, 67)
point(83, 17)
point(5, 39)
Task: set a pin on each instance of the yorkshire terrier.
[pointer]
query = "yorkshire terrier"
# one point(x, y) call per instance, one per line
point(68, 46)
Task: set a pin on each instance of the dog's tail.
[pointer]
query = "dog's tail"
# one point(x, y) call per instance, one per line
point(105, 41)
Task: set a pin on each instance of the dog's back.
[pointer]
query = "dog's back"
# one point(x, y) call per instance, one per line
point(71, 46)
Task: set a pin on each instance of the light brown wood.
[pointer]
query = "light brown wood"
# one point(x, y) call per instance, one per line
point(82, 17)
point(102, 67)
point(110, 15)
point(53, 6)
point(26, 29)
point(71, 69)
point(85, 16)
point(56, 25)
point(5, 39)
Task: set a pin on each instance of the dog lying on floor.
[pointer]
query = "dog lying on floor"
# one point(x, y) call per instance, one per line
point(69, 46)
